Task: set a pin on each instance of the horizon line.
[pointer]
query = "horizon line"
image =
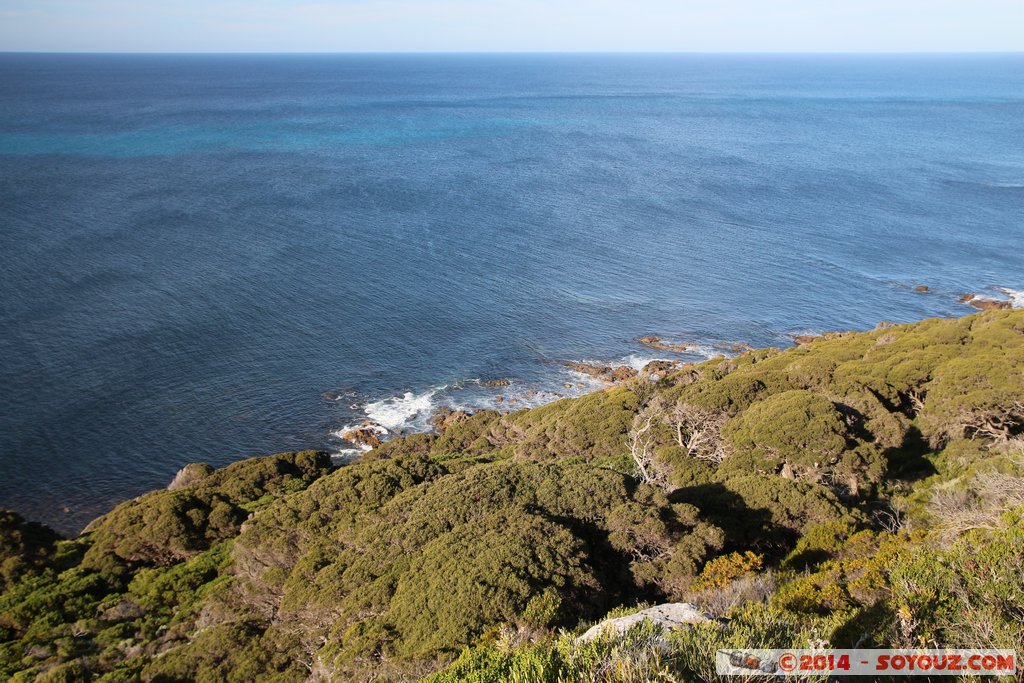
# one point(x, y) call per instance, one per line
point(513, 52)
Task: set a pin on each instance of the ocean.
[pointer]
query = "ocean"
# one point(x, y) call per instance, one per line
point(210, 257)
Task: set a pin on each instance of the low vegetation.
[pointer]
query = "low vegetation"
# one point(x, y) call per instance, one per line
point(863, 490)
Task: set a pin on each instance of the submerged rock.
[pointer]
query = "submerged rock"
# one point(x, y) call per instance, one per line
point(495, 383)
point(921, 289)
point(659, 343)
point(735, 347)
point(669, 616)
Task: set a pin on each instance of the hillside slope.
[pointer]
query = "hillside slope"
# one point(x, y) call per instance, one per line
point(864, 490)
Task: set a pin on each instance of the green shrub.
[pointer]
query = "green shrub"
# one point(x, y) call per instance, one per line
point(797, 427)
point(592, 427)
point(164, 527)
point(979, 395)
point(26, 548)
point(486, 573)
point(506, 526)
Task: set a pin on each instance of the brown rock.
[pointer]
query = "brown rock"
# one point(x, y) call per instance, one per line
point(658, 343)
point(661, 367)
point(605, 373)
point(444, 417)
point(623, 373)
point(598, 371)
point(495, 383)
point(804, 339)
point(884, 325)
point(602, 372)
point(966, 297)
point(499, 398)
point(990, 304)
point(921, 289)
point(366, 434)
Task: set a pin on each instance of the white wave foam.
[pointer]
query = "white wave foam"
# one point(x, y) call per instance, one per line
point(708, 351)
point(412, 412)
point(637, 361)
point(1015, 296)
point(346, 455)
point(805, 332)
point(377, 429)
point(402, 412)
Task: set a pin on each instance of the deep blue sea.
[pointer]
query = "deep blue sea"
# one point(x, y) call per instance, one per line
point(194, 249)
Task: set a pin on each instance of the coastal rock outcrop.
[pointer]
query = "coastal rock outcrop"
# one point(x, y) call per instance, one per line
point(669, 616)
point(366, 434)
point(604, 373)
point(444, 417)
point(662, 367)
point(659, 343)
point(991, 305)
point(986, 304)
point(495, 383)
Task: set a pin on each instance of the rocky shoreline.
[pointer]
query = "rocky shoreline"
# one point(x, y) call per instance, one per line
point(369, 434)
point(724, 499)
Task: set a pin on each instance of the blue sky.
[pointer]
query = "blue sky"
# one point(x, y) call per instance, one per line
point(512, 25)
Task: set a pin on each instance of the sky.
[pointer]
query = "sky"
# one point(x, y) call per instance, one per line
point(512, 25)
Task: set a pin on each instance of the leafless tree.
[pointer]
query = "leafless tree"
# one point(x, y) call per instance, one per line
point(641, 446)
point(998, 425)
point(981, 505)
point(893, 518)
point(699, 431)
point(916, 401)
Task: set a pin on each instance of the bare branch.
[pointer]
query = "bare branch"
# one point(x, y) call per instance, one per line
point(641, 442)
point(699, 431)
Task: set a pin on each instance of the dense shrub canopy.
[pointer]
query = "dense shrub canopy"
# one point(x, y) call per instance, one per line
point(797, 426)
point(865, 489)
